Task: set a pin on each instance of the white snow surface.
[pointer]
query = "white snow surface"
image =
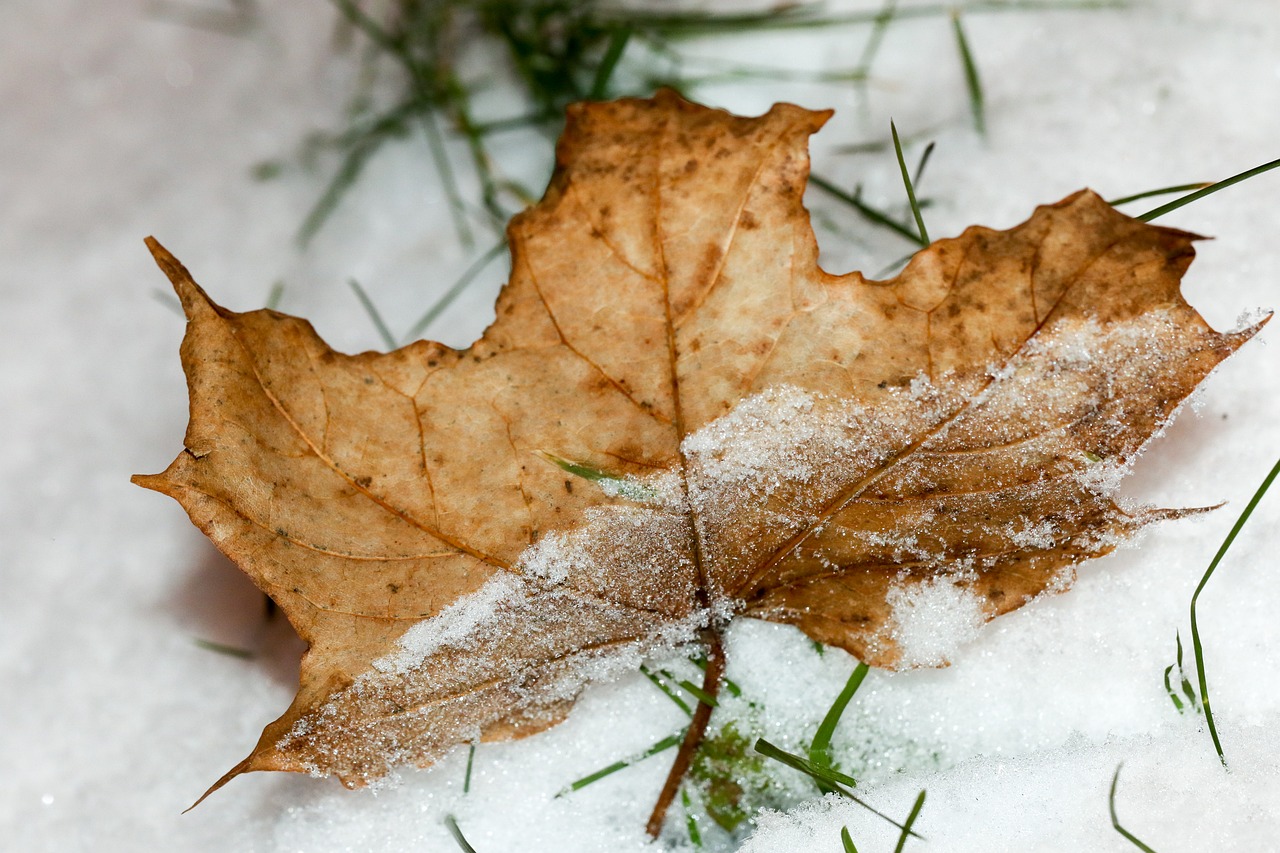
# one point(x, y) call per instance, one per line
point(119, 122)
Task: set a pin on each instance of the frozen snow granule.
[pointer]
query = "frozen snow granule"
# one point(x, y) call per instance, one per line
point(932, 620)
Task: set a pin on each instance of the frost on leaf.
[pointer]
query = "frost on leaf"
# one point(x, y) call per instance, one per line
point(885, 465)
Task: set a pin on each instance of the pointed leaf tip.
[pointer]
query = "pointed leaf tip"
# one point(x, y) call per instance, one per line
point(190, 293)
point(242, 767)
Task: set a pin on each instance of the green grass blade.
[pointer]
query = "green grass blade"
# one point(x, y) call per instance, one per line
point(818, 772)
point(471, 757)
point(1195, 628)
point(973, 82)
point(454, 291)
point(911, 819)
point(352, 165)
point(906, 181)
point(867, 211)
point(1209, 190)
point(924, 161)
point(820, 748)
point(1180, 188)
point(822, 774)
point(1115, 821)
point(879, 25)
point(1187, 689)
point(444, 168)
point(609, 62)
point(1168, 687)
point(698, 693)
point(690, 820)
point(223, 649)
point(727, 683)
point(452, 825)
point(847, 841)
point(372, 310)
point(275, 295)
point(662, 745)
point(662, 685)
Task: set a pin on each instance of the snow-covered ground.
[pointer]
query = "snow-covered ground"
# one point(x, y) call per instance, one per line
point(116, 123)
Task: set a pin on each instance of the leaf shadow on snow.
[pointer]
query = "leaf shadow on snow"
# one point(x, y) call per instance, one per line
point(217, 603)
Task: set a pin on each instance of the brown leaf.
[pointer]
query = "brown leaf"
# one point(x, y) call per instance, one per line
point(883, 464)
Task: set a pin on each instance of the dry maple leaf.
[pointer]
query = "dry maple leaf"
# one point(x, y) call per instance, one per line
point(853, 457)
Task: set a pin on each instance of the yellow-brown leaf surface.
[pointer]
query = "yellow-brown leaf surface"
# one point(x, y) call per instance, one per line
point(850, 456)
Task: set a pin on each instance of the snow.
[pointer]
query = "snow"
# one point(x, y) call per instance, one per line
point(931, 621)
point(120, 123)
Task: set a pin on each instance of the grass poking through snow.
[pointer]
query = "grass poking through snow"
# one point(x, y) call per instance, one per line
point(820, 747)
point(911, 819)
point(1209, 190)
point(452, 824)
point(906, 181)
point(1115, 821)
point(1195, 628)
point(972, 81)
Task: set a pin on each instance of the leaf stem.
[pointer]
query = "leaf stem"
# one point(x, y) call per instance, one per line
point(693, 737)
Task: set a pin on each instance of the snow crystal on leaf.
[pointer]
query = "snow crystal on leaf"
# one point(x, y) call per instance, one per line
point(452, 626)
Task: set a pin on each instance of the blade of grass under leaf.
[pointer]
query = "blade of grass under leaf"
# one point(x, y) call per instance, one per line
point(820, 748)
point(1180, 188)
point(973, 83)
point(1209, 190)
point(834, 779)
point(223, 649)
point(1115, 821)
point(911, 819)
point(867, 211)
point(880, 23)
point(671, 694)
point(662, 745)
point(1195, 628)
point(924, 161)
point(609, 62)
point(352, 165)
point(372, 310)
point(906, 181)
point(698, 693)
point(803, 16)
point(454, 291)
point(452, 825)
point(471, 757)
point(690, 820)
point(729, 684)
point(274, 296)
